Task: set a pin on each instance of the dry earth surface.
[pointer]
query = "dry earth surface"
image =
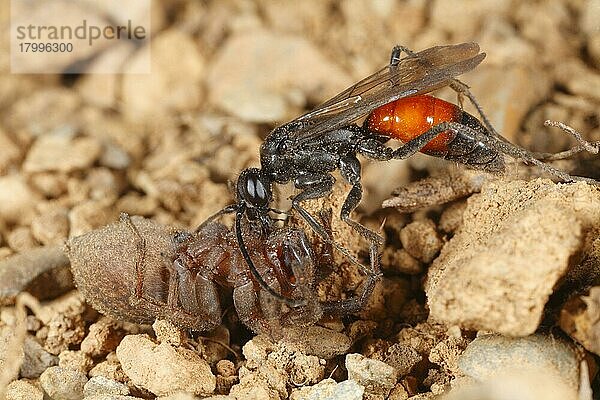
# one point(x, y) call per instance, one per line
point(489, 296)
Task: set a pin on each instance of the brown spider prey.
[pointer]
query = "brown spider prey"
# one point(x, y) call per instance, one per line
point(307, 150)
point(137, 270)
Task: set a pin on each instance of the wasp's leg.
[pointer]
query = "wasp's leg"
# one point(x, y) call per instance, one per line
point(397, 52)
point(462, 89)
point(353, 304)
point(315, 186)
point(350, 171)
point(377, 150)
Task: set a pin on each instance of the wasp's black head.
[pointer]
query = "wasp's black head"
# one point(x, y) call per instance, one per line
point(254, 190)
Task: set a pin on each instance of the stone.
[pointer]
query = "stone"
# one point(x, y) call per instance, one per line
point(493, 355)
point(579, 79)
point(36, 359)
point(64, 322)
point(420, 240)
point(46, 110)
point(171, 86)
point(168, 333)
point(580, 319)
point(449, 18)
point(75, 359)
point(402, 358)
point(23, 390)
point(90, 215)
point(101, 385)
point(51, 227)
point(532, 367)
point(63, 384)
point(62, 153)
point(163, 369)
point(280, 73)
point(21, 240)
point(110, 369)
point(515, 243)
point(44, 272)
point(17, 199)
point(103, 337)
point(329, 389)
point(376, 376)
point(316, 340)
point(99, 88)
point(10, 153)
point(272, 367)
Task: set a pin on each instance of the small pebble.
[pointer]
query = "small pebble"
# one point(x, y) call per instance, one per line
point(402, 358)
point(110, 369)
point(44, 272)
point(36, 359)
point(376, 376)
point(163, 369)
point(492, 355)
point(318, 341)
point(21, 240)
point(63, 384)
point(170, 86)
point(399, 392)
point(278, 73)
point(10, 152)
point(421, 240)
point(400, 261)
point(103, 337)
point(168, 333)
point(62, 153)
point(71, 359)
point(452, 217)
point(50, 184)
point(180, 396)
point(114, 157)
point(51, 227)
point(66, 326)
point(225, 368)
point(579, 316)
point(101, 385)
point(23, 390)
point(329, 389)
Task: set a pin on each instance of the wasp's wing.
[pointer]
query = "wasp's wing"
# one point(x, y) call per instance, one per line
point(417, 73)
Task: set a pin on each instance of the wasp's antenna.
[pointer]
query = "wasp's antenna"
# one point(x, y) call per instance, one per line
point(253, 270)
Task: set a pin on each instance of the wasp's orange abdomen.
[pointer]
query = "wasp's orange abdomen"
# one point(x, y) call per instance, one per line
point(409, 117)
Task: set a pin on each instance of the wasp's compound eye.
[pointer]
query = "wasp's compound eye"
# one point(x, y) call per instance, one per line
point(256, 190)
point(253, 190)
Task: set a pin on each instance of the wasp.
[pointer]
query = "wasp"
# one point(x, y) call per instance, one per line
point(394, 100)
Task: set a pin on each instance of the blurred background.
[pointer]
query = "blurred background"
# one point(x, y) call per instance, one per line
point(76, 149)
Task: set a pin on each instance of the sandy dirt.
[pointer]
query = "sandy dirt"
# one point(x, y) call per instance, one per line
point(489, 287)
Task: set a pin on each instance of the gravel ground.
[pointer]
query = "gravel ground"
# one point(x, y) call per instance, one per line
point(489, 288)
